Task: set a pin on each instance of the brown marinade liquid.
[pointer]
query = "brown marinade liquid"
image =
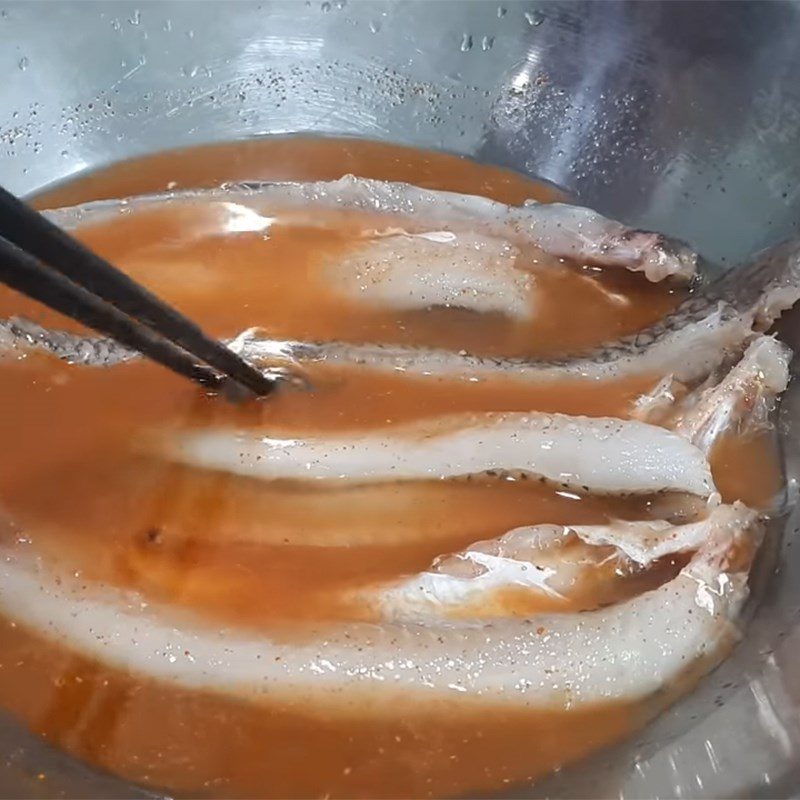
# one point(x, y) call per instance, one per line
point(240, 551)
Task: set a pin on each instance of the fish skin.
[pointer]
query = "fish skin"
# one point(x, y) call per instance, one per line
point(559, 229)
point(715, 323)
point(623, 652)
point(20, 336)
point(569, 451)
point(742, 399)
point(552, 561)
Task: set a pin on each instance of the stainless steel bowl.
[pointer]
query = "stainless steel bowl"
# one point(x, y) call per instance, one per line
point(684, 117)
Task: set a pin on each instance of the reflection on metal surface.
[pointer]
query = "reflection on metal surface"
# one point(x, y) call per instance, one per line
point(770, 719)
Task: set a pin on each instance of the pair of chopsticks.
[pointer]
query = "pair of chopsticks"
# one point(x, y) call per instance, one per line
point(40, 260)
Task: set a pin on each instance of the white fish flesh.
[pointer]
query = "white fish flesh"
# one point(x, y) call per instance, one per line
point(562, 230)
point(438, 269)
point(659, 403)
point(600, 454)
point(626, 651)
point(714, 324)
point(742, 400)
point(554, 561)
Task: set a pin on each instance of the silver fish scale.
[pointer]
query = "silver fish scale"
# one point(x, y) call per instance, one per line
point(21, 335)
point(746, 291)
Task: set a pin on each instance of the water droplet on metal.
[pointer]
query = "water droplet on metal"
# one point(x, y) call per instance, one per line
point(325, 7)
point(487, 42)
point(136, 18)
point(466, 43)
point(168, 25)
point(23, 63)
point(501, 12)
point(534, 18)
point(374, 26)
point(116, 24)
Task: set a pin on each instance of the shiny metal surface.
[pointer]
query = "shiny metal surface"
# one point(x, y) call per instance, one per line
point(683, 117)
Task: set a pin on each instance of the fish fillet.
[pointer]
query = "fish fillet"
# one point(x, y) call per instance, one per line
point(555, 561)
point(714, 324)
point(600, 454)
point(742, 400)
point(417, 271)
point(20, 336)
point(622, 652)
point(559, 229)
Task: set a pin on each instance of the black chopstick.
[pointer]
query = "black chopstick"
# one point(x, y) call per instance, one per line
point(28, 275)
point(34, 234)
